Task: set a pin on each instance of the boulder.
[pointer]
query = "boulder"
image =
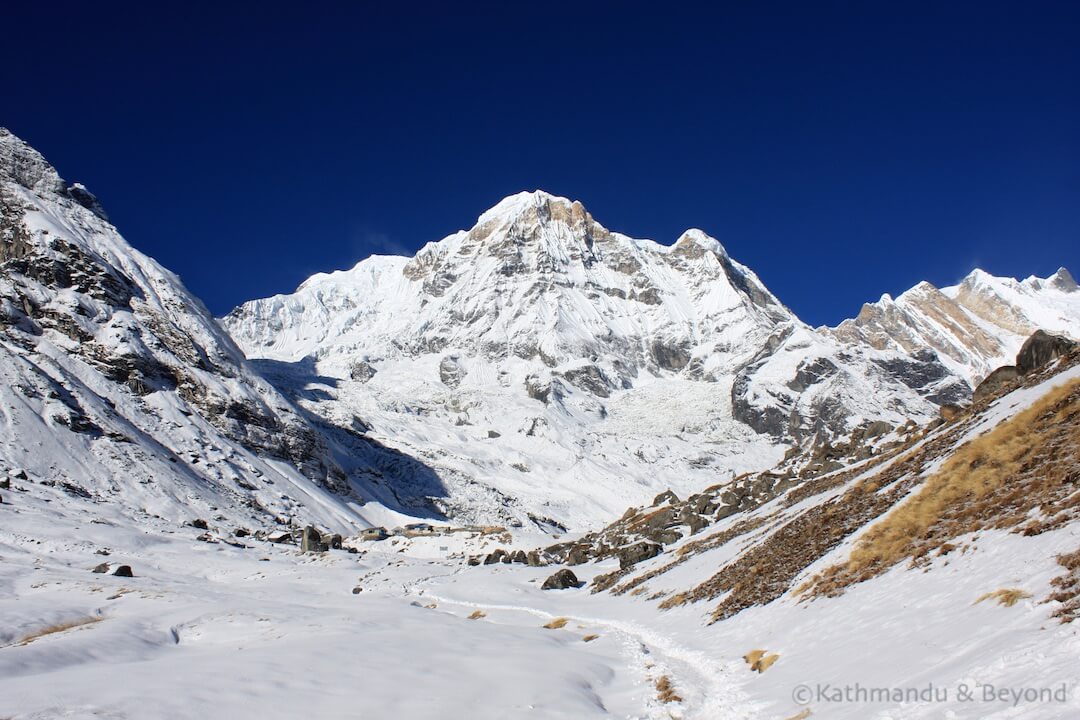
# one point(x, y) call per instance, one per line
point(518, 556)
point(200, 524)
point(633, 554)
point(496, 557)
point(562, 580)
point(532, 559)
point(474, 561)
point(1041, 349)
point(665, 497)
point(694, 522)
point(123, 571)
point(102, 568)
point(995, 383)
point(577, 555)
point(311, 540)
point(19, 474)
point(332, 541)
point(5, 484)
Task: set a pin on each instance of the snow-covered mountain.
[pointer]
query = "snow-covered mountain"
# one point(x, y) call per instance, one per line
point(546, 366)
point(974, 327)
point(534, 367)
point(116, 384)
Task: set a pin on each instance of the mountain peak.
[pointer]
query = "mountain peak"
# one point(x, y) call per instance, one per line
point(1063, 280)
point(522, 203)
point(25, 166)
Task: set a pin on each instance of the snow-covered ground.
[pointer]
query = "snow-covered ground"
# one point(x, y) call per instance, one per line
point(215, 631)
point(222, 631)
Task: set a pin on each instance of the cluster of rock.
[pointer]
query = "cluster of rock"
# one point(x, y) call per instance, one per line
point(532, 558)
point(1039, 350)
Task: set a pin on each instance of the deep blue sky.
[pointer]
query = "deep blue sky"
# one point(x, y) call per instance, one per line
point(841, 150)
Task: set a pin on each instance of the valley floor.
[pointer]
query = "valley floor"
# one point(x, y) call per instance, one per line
point(216, 631)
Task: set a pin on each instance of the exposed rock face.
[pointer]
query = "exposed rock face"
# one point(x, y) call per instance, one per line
point(1041, 349)
point(362, 371)
point(451, 372)
point(975, 326)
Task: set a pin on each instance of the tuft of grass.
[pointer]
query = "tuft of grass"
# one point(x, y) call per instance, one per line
point(760, 660)
point(1006, 597)
point(801, 715)
point(58, 628)
point(675, 600)
point(665, 691)
point(590, 638)
point(477, 614)
point(557, 623)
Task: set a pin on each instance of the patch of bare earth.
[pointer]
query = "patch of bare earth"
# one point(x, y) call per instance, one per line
point(1067, 588)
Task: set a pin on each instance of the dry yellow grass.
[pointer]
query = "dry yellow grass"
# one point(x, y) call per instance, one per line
point(557, 623)
point(760, 660)
point(995, 480)
point(590, 638)
point(801, 715)
point(765, 663)
point(665, 691)
point(1006, 597)
point(477, 614)
point(57, 628)
point(753, 656)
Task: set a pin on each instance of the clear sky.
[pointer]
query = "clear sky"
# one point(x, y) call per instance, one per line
point(842, 150)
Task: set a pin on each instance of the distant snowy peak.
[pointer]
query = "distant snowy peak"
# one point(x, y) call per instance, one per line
point(975, 326)
point(536, 276)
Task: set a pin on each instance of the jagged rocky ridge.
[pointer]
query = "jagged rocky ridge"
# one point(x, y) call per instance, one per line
point(539, 344)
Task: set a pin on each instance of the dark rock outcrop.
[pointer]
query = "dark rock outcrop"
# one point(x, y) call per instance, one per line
point(1041, 349)
point(562, 580)
point(996, 382)
point(633, 554)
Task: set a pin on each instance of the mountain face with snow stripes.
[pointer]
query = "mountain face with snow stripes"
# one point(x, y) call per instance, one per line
point(572, 369)
point(115, 382)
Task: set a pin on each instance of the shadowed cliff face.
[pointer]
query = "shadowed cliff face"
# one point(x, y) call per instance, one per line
point(107, 347)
